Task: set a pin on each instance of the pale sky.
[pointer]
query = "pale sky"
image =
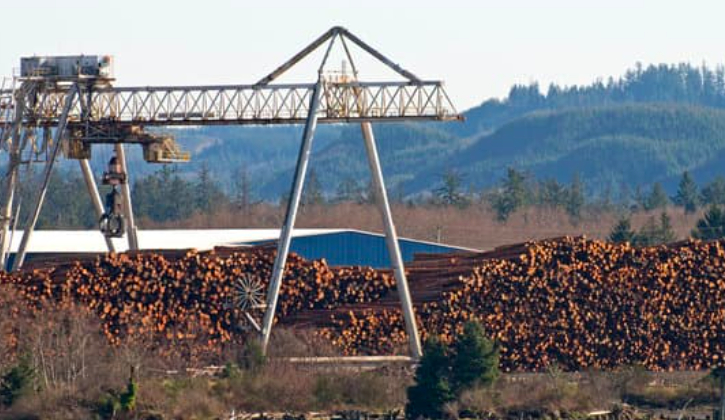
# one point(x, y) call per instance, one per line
point(479, 48)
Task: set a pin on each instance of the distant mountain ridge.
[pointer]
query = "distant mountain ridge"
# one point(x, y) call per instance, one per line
point(608, 147)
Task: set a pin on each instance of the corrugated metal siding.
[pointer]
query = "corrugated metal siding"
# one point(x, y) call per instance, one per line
point(358, 248)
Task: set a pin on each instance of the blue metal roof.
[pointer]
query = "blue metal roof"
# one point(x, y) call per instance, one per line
point(360, 248)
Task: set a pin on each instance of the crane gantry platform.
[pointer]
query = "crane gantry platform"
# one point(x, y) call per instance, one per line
point(71, 103)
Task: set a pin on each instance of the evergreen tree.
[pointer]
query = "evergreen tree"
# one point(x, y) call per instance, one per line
point(349, 190)
point(16, 382)
point(163, 196)
point(242, 189)
point(687, 194)
point(648, 234)
point(551, 193)
point(432, 390)
point(657, 198)
point(207, 194)
point(640, 198)
point(313, 194)
point(475, 359)
point(513, 195)
point(451, 192)
point(667, 234)
point(654, 233)
point(369, 193)
point(622, 232)
point(66, 205)
point(714, 192)
point(575, 197)
point(177, 196)
point(712, 224)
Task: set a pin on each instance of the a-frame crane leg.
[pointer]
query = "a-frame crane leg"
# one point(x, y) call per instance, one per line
point(285, 237)
point(11, 184)
point(391, 239)
point(40, 197)
point(131, 232)
point(95, 196)
point(7, 215)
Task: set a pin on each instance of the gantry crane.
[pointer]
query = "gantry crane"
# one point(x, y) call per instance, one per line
point(72, 106)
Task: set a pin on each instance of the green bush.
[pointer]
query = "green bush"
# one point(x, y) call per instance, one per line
point(128, 397)
point(432, 390)
point(252, 357)
point(16, 382)
point(114, 402)
point(474, 360)
point(108, 406)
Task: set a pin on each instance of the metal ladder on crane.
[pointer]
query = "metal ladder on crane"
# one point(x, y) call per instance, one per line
point(7, 108)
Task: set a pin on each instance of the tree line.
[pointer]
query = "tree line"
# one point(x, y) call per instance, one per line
point(678, 83)
point(168, 196)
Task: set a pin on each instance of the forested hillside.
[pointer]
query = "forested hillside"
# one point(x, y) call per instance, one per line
point(610, 148)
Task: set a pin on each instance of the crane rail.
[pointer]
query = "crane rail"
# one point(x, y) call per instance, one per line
point(242, 104)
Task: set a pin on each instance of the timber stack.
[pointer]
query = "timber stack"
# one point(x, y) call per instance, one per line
point(573, 302)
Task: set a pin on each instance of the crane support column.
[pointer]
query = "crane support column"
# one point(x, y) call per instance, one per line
point(95, 196)
point(131, 231)
point(40, 198)
point(285, 237)
point(10, 186)
point(391, 238)
point(7, 215)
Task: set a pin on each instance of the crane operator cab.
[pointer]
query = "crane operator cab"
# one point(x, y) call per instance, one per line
point(112, 223)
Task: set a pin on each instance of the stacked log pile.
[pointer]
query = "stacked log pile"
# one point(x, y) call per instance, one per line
point(189, 297)
point(568, 301)
point(577, 304)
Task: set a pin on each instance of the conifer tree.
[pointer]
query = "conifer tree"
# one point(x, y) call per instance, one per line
point(647, 234)
point(714, 192)
point(551, 193)
point(575, 197)
point(687, 194)
point(622, 232)
point(657, 198)
point(667, 234)
point(512, 196)
point(712, 224)
point(349, 190)
point(474, 360)
point(207, 193)
point(16, 382)
point(313, 193)
point(654, 233)
point(451, 193)
point(432, 390)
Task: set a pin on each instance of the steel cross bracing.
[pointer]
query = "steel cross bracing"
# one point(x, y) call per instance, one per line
point(80, 111)
point(241, 104)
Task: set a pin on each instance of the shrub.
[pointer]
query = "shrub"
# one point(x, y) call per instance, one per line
point(16, 382)
point(252, 357)
point(474, 360)
point(432, 390)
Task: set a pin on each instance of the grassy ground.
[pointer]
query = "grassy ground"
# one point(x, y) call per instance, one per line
point(79, 376)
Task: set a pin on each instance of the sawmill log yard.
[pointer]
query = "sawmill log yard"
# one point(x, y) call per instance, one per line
point(351, 244)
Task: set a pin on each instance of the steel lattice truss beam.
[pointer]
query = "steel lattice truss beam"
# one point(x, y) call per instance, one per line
point(243, 104)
